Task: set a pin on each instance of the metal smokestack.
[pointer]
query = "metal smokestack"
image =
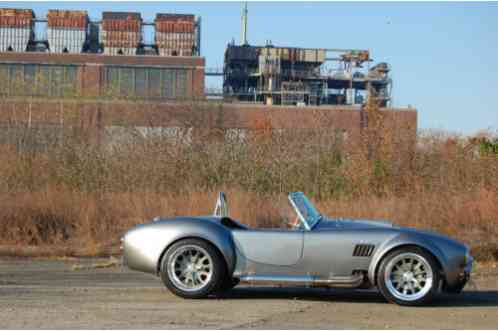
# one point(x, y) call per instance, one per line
point(244, 24)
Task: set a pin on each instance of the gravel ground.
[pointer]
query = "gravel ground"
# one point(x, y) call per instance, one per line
point(74, 294)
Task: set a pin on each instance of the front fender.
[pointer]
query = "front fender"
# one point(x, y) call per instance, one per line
point(145, 244)
point(405, 239)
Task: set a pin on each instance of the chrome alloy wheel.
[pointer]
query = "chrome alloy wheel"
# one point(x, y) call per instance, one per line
point(408, 277)
point(190, 268)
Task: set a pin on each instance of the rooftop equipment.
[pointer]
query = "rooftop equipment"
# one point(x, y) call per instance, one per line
point(67, 31)
point(121, 33)
point(175, 34)
point(16, 29)
point(118, 33)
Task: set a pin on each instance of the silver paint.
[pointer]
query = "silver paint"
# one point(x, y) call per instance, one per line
point(144, 245)
point(324, 252)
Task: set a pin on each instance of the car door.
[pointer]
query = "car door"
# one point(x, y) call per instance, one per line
point(331, 252)
point(278, 247)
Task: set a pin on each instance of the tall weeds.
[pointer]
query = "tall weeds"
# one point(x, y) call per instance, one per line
point(57, 188)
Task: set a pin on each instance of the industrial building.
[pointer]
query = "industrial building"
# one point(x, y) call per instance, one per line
point(100, 73)
point(300, 76)
point(76, 56)
point(296, 76)
point(106, 58)
point(93, 75)
point(117, 33)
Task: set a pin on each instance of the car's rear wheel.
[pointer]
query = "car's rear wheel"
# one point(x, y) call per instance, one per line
point(408, 276)
point(193, 268)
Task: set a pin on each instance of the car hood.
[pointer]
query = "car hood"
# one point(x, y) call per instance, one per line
point(352, 224)
point(359, 224)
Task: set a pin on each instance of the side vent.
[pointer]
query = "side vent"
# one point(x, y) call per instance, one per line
point(363, 250)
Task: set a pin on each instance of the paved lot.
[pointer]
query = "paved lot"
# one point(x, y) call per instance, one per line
point(53, 294)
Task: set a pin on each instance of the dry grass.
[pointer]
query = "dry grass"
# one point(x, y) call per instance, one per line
point(60, 195)
point(75, 224)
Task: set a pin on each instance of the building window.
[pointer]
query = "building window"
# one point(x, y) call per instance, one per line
point(38, 80)
point(154, 83)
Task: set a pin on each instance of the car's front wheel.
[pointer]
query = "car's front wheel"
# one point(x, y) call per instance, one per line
point(193, 268)
point(408, 276)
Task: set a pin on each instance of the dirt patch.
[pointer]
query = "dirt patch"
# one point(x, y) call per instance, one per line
point(112, 262)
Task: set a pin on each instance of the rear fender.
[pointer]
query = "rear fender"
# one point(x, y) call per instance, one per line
point(145, 245)
point(218, 239)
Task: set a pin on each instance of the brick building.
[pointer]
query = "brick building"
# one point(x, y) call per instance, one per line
point(97, 75)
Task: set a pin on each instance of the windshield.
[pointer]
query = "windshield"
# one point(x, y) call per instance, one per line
point(307, 213)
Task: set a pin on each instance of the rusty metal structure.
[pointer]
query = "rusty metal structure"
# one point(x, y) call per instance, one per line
point(175, 34)
point(299, 76)
point(121, 33)
point(16, 29)
point(67, 31)
point(117, 33)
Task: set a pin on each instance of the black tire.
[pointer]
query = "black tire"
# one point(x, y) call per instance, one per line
point(366, 285)
point(392, 294)
point(218, 275)
point(228, 284)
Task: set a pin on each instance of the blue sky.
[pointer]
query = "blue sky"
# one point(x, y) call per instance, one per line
point(443, 55)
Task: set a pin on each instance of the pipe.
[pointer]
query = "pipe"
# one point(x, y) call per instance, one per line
point(350, 282)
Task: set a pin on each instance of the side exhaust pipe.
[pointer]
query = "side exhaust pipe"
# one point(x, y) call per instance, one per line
point(309, 281)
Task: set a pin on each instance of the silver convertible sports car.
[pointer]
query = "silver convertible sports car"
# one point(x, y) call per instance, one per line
point(198, 256)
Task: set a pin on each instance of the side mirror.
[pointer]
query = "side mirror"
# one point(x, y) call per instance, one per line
point(221, 208)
